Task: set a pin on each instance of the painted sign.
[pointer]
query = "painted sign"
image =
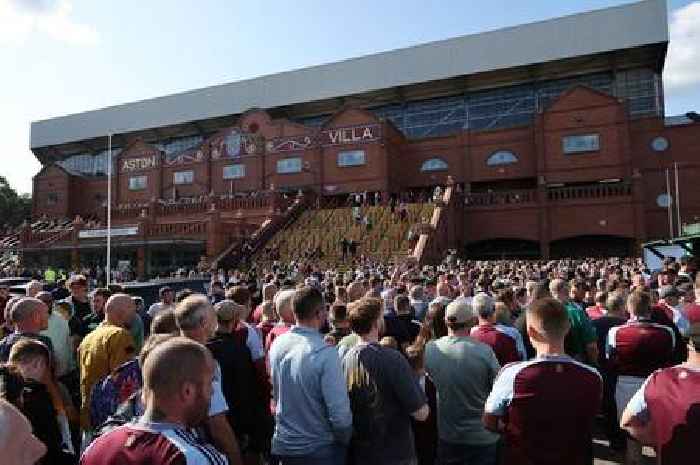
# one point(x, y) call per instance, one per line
point(328, 137)
point(352, 135)
point(116, 232)
point(289, 144)
point(139, 164)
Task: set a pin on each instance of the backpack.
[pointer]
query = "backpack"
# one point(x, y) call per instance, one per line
point(112, 390)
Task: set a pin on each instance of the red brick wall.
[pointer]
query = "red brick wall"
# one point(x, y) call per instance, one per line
point(394, 163)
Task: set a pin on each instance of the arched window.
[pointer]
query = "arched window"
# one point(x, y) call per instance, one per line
point(434, 164)
point(501, 157)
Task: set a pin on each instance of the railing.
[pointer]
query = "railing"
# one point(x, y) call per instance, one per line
point(244, 203)
point(482, 199)
point(201, 205)
point(129, 211)
point(591, 191)
point(241, 251)
point(177, 229)
point(42, 237)
point(56, 237)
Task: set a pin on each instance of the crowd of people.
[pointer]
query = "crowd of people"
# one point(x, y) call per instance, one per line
point(467, 362)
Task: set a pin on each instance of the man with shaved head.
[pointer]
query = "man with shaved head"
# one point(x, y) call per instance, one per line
point(197, 320)
point(105, 349)
point(176, 400)
point(29, 317)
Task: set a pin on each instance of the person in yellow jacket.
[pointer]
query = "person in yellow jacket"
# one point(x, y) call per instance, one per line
point(103, 350)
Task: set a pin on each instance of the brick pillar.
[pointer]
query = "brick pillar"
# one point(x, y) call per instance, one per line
point(544, 223)
point(214, 239)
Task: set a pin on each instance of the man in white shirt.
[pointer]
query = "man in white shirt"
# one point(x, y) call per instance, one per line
point(167, 297)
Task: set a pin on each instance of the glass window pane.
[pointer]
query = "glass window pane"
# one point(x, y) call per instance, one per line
point(351, 158)
point(234, 171)
point(289, 165)
point(434, 164)
point(137, 183)
point(581, 143)
point(183, 177)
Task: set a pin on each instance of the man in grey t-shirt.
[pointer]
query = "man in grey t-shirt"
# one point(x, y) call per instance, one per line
point(463, 371)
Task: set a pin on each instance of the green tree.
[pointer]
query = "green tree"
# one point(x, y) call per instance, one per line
point(14, 208)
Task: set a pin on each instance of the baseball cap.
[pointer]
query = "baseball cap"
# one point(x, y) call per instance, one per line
point(226, 310)
point(459, 312)
point(668, 291)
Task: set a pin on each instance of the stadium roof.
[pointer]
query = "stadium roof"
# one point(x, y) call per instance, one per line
point(622, 27)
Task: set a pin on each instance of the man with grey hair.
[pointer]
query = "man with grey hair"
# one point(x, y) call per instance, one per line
point(285, 309)
point(268, 295)
point(463, 370)
point(418, 302)
point(29, 316)
point(196, 319)
point(506, 341)
point(581, 342)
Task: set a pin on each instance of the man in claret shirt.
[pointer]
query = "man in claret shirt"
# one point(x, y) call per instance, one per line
point(634, 350)
point(545, 407)
point(665, 411)
point(506, 342)
point(176, 400)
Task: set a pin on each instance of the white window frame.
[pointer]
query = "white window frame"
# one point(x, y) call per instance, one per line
point(491, 160)
point(350, 158)
point(141, 185)
point(236, 171)
point(181, 178)
point(284, 165)
point(580, 143)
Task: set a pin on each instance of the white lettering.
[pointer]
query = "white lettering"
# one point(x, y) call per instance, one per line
point(135, 164)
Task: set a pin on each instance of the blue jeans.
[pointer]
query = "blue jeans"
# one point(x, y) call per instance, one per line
point(335, 454)
point(465, 454)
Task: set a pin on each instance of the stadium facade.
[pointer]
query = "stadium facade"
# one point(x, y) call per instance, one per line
point(554, 134)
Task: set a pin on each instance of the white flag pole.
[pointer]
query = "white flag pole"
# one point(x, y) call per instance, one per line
point(109, 208)
point(669, 207)
point(678, 202)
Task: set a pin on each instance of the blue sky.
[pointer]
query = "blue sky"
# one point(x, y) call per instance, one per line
point(62, 56)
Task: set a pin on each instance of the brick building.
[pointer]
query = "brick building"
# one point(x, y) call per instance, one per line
point(553, 133)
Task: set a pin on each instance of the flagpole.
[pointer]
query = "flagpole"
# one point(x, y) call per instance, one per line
point(678, 201)
point(670, 203)
point(109, 208)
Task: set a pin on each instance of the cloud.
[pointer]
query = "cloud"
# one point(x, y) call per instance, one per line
point(683, 60)
point(23, 19)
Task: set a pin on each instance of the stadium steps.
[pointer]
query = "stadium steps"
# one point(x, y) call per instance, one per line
point(323, 229)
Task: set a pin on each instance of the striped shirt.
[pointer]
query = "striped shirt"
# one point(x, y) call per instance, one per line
point(151, 443)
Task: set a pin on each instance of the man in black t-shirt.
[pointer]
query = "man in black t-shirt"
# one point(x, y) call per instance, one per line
point(248, 414)
point(32, 359)
point(614, 316)
point(384, 393)
point(402, 326)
